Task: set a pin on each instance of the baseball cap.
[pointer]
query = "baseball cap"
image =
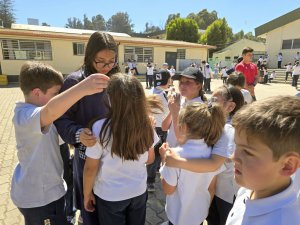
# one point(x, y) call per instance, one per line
point(165, 64)
point(162, 77)
point(190, 72)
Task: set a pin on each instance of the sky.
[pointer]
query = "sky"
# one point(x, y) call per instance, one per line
point(240, 15)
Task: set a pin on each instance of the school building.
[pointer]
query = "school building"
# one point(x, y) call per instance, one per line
point(233, 51)
point(64, 48)
point(282, 35)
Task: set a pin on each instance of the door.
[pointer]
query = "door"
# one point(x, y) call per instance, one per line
point(171, 59)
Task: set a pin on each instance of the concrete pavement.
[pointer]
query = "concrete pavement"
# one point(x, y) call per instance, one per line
point(9, 214)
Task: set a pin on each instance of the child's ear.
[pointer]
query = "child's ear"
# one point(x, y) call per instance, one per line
point(231, 106)
point(291, 162)
point(36, 91)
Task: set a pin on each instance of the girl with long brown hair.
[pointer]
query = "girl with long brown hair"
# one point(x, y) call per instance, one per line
point(115, 172)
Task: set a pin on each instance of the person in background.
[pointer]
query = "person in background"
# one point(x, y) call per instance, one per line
point(172, 73)
point(272, 76)
point(149, 75)
point(100, 57)
point(249, 70)
point(162, 82)
point(288, 71)
point(237, 80)
point(297, 57)
point(296, 74)
point(279, 60)
point(267, 154)
point(207, 73)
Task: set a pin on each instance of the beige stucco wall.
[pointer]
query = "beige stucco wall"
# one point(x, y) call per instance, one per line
point(159, 53)
point(62, 57)
point(64, 60)
point(274, 43)
point(236, 49)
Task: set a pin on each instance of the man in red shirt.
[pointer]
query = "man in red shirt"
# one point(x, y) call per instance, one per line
point(249, 70)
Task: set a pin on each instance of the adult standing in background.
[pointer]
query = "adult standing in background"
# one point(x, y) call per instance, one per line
point(279, 60)
point(297, 57)
point(207, 73)
point(149, 75)
point(249, 69)
point(100, 57)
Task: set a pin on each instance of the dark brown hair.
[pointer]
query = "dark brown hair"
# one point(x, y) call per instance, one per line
point(202, 121)
point(246, 50)
point(236, 79)
point(274, 121)
point(99, 41)
point(128, 123)
point(233, 94)
point(38, 75)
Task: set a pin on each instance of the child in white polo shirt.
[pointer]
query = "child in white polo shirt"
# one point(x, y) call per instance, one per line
point(114, 177)
point(188, 198)
point(37, 186)
point(267, 154)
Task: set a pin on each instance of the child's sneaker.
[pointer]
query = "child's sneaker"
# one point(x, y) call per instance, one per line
point(150, 187)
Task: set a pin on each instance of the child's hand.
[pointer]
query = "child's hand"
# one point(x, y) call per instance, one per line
point(89, 203)
point(87, 138)
point(162, 151)
point(94, 83)
point(171, 158)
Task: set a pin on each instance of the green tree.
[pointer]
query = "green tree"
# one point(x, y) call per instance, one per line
point(204, 18)
point(172, 17)
point(87, 24)
point(6, 13)
point(74, 23)
point(183, 30)
point(120, 22)
point(218, 34)
point(99, 23)
point(149, 28)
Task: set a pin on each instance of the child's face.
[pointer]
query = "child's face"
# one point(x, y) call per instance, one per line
point(189, 88)
point(226, 105)
point(50, 93)
point(255, 168)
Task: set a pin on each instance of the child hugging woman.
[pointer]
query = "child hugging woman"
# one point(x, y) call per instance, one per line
point(115, 174)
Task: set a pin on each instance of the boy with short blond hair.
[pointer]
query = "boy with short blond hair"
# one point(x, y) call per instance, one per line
point(267, 154)
point(37, 187)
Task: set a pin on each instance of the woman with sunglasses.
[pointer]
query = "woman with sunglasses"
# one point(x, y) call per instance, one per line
point(100, 57)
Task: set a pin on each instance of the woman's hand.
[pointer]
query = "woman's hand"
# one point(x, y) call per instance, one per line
point(89, 202)
point(87, 138)
point(174, 104)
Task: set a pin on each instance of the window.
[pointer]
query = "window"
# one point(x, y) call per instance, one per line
point(78, 48)
point(26, 50)
point(296, 43)
point(287, 44)
point(180, 53)
point(140, 54)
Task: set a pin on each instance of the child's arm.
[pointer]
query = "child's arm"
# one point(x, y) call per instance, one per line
point(166, 123)
point(89, 176)
point(58, 105)
point(195, 165)
point(167, 188)
point(151, 156)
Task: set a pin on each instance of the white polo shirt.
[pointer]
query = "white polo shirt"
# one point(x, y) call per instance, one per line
point(280, 209)
point(117, 179)
point(190, 202)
